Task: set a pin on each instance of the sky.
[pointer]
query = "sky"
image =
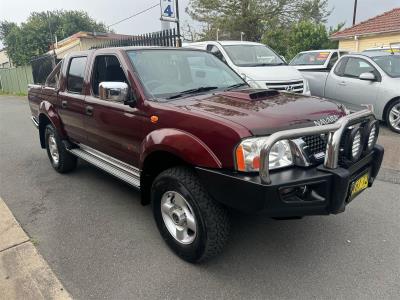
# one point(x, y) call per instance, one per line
point(112, 11)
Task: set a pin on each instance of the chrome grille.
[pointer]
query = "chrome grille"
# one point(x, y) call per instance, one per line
point(316, 146)
point(291, 86)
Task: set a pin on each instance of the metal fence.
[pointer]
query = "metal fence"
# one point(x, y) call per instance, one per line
point(16, 80)
point(166, 38)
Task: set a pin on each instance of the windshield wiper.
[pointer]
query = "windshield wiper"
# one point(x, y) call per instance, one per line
point(267, 64)
point(234, 86)
point(193, 91)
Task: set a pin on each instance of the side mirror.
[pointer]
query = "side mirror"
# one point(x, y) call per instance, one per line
point(367, 76)
point(113, 91)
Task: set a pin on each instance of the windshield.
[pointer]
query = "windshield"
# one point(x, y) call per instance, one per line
point(390, 64)
point(173, 73)
point(253, 56)
point(310, 59)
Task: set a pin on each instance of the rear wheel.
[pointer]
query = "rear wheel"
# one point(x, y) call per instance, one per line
point(393, 116)
point(193, 225)
point(61, 160)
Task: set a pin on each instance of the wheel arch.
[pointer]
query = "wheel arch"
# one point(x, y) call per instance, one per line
point(168, 147)
point(385, 110)
point(154, 164)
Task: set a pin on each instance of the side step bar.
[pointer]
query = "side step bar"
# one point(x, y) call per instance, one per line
point(115, 167)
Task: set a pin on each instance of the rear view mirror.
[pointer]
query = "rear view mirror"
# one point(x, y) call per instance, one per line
point(367, 76)
point(113, 91)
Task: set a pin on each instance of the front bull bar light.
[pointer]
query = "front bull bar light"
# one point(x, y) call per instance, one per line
point(372, 132)
point(355, 144)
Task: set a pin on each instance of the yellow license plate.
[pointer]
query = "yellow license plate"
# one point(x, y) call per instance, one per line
point(359, 185)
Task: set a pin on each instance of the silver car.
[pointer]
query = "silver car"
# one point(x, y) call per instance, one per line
point(367, 78)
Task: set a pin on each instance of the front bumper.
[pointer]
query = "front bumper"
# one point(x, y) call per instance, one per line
point(327, 189)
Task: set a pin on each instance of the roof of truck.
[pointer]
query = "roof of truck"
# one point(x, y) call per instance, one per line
point(127, 48)
point(225, 43)
point(321, 50)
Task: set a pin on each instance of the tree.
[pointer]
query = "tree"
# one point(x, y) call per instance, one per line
point(253, 17)
point(37, 34)
point(300, 36)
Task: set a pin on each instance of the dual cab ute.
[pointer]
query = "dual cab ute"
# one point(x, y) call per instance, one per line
point(188, 131)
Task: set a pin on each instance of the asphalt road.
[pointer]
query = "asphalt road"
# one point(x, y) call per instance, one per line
point(102, 243)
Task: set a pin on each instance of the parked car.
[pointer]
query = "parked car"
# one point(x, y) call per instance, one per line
point(315, 65)
point(186, 130)
point(258, 64)
point(368, 78)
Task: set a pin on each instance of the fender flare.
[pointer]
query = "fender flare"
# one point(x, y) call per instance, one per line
point(181, 144)
point(47, 110)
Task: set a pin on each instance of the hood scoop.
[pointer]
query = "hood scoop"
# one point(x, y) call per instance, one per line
point(251, 94)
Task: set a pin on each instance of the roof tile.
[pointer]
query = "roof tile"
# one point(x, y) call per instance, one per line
point(386, 22)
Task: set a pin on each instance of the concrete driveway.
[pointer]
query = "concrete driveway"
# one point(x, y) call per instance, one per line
point(102, 244)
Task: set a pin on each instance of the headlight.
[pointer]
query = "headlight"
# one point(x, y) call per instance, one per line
point(248, 155)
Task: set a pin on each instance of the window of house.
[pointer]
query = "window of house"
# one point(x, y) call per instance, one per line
point(75, 74)
point(106, 68)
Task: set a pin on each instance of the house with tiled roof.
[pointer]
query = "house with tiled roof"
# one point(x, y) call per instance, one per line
point(380, 31)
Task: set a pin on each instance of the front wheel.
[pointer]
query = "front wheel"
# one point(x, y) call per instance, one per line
point(193, 225)
point(393, 116)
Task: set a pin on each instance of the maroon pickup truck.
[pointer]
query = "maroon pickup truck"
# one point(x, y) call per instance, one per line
point(188, 131)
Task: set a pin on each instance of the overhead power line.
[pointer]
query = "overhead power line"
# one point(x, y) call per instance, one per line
point(139, 13)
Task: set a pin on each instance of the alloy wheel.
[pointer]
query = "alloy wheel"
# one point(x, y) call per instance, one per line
point(394, 116)
point(53, 149)
point(178, 217)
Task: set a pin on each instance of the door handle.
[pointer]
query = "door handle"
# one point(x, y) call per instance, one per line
point(89, 110)
point(342, 83)
point(64, 104)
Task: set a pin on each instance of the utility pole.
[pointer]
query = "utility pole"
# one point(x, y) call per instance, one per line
point(53, 61)
point(355, 12)
point(178, 25)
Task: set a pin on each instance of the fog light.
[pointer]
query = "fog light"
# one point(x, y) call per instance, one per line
point(355, 144)
point(372, 131)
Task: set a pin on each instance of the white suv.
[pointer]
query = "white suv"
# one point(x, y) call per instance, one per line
point(258, 64)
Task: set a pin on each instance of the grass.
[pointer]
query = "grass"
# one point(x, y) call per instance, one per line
point(35, 242)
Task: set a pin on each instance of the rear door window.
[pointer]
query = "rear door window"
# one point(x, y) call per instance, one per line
point(75, 75)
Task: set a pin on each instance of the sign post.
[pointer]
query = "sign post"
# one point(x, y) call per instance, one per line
point(170, 13)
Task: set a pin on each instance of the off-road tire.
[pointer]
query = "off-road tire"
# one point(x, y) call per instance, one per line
point(67, 162)
point(387, 116)
point(212, 219)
